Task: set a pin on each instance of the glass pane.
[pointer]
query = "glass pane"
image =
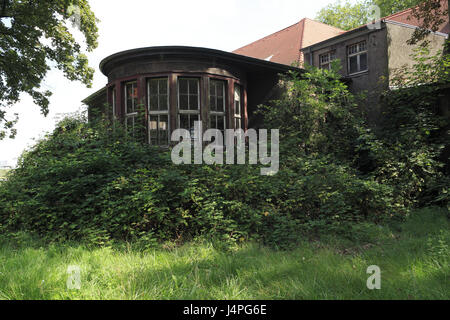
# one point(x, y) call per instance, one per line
point(163, 129)
point(153, 84)
point(153, 102)
point(193, 86)
point(220, 104)
point(353, 64)
point(212, 103)
point(163, 102)
point(129, 96)
point(237, 93)
point(363, 61)
point(212, 122)
point(163, 124)
point(237, 108)
point(184, 103)
point(220, 87)
point(163, 86)
point(183, 86)
point(362, 46)
point(332, 55)
point(184, 121)
point(153, 123)
point(212, 88)
point(193, 102)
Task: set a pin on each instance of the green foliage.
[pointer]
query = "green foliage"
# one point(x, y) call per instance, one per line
point(345, 15)
point(411, 147)
point(414, 262)
point(389, 7)
point(35, 35)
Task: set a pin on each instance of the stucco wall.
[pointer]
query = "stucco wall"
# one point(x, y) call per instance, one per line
point(372, 81)
point(399, 53)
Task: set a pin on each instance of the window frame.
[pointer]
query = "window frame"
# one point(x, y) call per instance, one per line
point(132, 115)
point(189, 113)
point(214, 113)
point(158, 113)
point(237, 115)
point(357, 53)
point(113, 103)
point(330, 55)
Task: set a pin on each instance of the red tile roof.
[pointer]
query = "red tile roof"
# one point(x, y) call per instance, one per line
point(284, 46)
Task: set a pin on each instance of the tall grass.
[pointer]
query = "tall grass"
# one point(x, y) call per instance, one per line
point(413, 257)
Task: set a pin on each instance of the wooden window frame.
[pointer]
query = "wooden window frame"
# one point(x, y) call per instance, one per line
point(329, 57)
point(237, 116)
point(133, 114)
point(355, 50)
point(216, 113)
point(189, 113)
point(158, 113)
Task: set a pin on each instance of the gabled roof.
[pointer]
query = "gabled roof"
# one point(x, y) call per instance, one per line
point(284, 46)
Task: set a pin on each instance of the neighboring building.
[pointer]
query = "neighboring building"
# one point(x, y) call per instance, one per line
point(369, 54)
point(285, 45)
point(178, 85)
point(171, 87)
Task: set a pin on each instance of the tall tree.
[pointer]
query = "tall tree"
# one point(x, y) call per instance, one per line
point(389, 7)
point(35, 35)
point(345, 15)
point(432, 14)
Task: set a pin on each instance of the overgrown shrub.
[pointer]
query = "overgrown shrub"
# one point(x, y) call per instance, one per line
point(92, 182)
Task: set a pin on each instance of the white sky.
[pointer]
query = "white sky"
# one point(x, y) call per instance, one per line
point(224, 25)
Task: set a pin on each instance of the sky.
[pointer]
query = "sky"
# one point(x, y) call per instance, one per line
point(223, 25)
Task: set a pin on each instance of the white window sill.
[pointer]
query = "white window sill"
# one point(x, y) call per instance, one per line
point(358, 73)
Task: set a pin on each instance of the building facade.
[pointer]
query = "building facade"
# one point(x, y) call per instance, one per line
point(165, 88)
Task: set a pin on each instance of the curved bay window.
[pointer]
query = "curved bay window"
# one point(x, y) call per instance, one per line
point(158, 110)
point(188, 103)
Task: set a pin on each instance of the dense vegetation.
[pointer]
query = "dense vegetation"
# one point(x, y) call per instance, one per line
point(413, 257)
point(89, 182)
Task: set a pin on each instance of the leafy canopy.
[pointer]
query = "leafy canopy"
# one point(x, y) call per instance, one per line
point(345, 15)
point(34, 36)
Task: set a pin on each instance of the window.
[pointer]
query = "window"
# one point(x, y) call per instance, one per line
point(158, 109)
point(237, 107)
point(130, 106)
point(217, 104)
point(357, 57)
point(325, 60)
point(113, 102)
point(188, 103)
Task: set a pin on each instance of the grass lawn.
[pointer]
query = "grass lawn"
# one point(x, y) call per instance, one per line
point(413, 257)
